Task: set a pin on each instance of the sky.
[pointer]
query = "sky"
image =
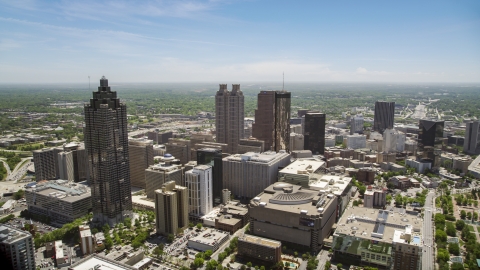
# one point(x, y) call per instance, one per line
point(229, 41)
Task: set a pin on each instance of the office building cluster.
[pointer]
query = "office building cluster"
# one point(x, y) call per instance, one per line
point(290, 179)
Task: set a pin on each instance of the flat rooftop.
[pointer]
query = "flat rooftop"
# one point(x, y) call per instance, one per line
point(303, 166)
point(265, 157)
point(95, 260)
point(62, 190)
point(142, 200)
point(9, 235)
point(260, 241)
point(377, 224)
point(209, 237)
point(328, 183)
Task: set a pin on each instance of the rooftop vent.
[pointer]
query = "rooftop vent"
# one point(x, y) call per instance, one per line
point(320, 210)
point(256, 199)
point(263, 204)
point(303, 212)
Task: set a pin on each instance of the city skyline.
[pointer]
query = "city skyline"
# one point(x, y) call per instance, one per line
point(236, 41)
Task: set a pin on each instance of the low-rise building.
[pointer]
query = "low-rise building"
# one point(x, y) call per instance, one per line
point(60, 200)
point(258, 248)
point(375, 197)
point(100, 262)
point(86, 240)
point(386, 239)
point(338, 185)
point(293, 215)
point(299, 172)
point(159, 174)
point(209, 239)
point(420, 165)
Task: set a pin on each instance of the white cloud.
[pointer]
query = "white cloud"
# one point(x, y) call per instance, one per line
point(361, 70)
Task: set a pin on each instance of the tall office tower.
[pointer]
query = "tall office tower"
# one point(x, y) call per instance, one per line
point(199, 184)
point(314, 139)
point(383, 115)
point(80, 161)
point(159, 174)
point(106, 142)
point(272, 120)
point(471, 145)
point(356, 124)
point(65, 166)
point(430, 133)
point(45, 163)
point(229, 116)
point(17, 250)
point(213, 157)
point(171, 206)
point(141, 156)
point(180, 149)
point(246, 175)
point(393, 141)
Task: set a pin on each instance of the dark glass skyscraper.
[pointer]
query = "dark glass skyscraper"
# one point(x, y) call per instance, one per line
point(383, 116)
point(106, 142)
point(430, 133)
point(314, 137)
point(272, 120)
point(213, 157)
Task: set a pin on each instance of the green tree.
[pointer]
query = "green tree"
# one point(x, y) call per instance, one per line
point(454, 249)
point(440, 236)
point(212, 265)
point(208, 254)
point(457, 266)
point(463, 214)
point(451, 231)
point(249, 264)
point(199, 226)
point(339, 266)
point(198, 262)
point(460, 224)
point(328, 264)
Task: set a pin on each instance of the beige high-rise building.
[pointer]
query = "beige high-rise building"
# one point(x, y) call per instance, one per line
point(159, 174)
point(229, 116)
point(45, 162)
point(180, 149)
point(171, 206)
point(65, 166)
point(141, 156)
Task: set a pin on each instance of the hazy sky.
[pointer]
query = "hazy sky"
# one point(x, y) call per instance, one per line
point(236, 41)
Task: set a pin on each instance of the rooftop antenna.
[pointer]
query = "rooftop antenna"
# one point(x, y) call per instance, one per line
point(283, 85)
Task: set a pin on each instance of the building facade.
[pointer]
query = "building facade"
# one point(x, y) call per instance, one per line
point(248, 174)
point(314, 139)
point(272, 120)
point(213, 158)
point(383, 116)
point(200, 186)
point(106, 142)
point(471, 143)
point(430, 133)
point(171, 206)
point(293, 215)
point(159, 174)
point(65, 166)
point(229, 116)
point(141, 156)
point(258, 248)
point(356, 124)
point(17, 250)
point(45, 163)
point(61, 201)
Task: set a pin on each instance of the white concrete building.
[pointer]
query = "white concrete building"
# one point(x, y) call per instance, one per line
point(419, 166)
point(356, 141)
point(393, 141)
point(246, 175)
point(200, 187)
point(356, 124)
point(209, 239)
